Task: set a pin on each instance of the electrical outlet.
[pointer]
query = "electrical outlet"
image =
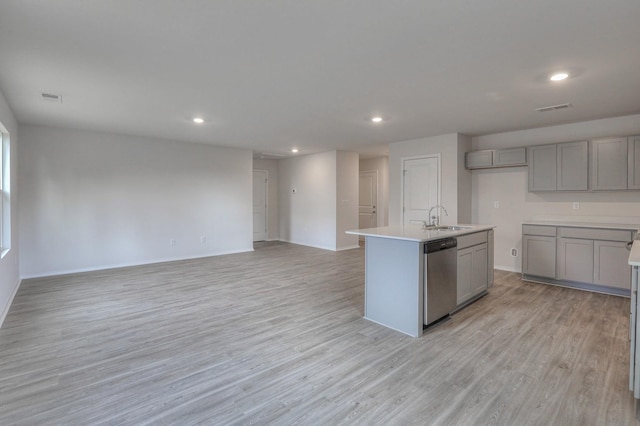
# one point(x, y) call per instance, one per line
point(514, 252)
point(203, 240)
point(496, 204)
point(576, 205)
point(172, 242)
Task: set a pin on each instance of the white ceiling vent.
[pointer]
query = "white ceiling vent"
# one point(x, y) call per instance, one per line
point(554, 107)
point(50, 97)
point(268, 156)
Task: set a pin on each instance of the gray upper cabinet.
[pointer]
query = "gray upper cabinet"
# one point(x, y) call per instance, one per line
point(573, 159)
point(479, 159)
point(510, 157)
point(542, 167)
point(634, 162)
point(559, 167)
point(609, 164)
point(491, 158)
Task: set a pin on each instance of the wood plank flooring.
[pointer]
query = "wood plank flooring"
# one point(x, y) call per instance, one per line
point(276, 336)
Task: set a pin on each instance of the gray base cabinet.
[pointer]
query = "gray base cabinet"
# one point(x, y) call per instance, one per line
point(472, 266)
point(610, 265)
point(575, 260)
point(589, 258)
point(539, 250)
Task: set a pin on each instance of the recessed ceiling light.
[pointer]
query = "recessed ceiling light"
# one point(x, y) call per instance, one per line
point(376, 119)
point(198, 120)
point(559, 76)
point(294, 150)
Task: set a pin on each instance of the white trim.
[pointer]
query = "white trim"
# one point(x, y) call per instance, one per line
point(266, 201)
point(347, 248)
point(377, 194)
point(309, 245)
point(125, 265)
point(419, 157)
point(506, 268)
point(5, 310)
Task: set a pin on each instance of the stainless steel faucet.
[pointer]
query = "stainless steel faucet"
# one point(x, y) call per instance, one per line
point(435, 220)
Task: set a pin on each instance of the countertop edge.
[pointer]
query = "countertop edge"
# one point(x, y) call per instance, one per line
point(432, 235)
point(623, 226)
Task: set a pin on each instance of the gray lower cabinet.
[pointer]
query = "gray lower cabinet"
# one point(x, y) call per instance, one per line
point(539, 250)
point(610, 266)
point(490, 258)
point(472, 266)
point(590, 258)
point(575, 260)
point(633, 166)
point(472, 272)
point(609, 164)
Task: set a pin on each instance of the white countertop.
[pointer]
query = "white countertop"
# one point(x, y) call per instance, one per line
point(576, 224)
point(416, 233)
point(634, 256)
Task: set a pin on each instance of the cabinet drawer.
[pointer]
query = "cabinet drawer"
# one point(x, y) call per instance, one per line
point(469, 240)
point(596, 234)
point(545, 231)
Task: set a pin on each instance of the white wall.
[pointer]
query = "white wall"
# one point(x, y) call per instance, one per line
point(308, 216)
point(93, 200)
point(271, 166)
point(516, 204)
point(381, 165)
point(347, 181)
point(325, 202)
point(9, 263)
point(448, 147)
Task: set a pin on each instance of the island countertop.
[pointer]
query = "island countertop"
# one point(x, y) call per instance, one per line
point(416, 233)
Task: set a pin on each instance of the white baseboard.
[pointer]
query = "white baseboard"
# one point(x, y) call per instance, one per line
point(506, 268)
point(348, 248)
point(6, 308)
point(125, 265)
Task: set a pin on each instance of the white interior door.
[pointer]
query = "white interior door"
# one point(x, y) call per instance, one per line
point(368, 189)
point(260, 179)
point(421, 188)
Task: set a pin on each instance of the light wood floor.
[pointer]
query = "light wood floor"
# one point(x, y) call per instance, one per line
point(276, 336)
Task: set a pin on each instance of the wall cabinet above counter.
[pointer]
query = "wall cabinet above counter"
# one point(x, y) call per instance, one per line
point(603, 164)
point(492, 158)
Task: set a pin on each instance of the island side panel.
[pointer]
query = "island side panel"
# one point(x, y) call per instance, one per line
point(393, 284)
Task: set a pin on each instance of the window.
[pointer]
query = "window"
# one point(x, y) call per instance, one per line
point(5, 220)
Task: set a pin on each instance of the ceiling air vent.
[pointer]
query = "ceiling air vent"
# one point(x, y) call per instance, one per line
point(269, 156)
point(554, 107)
point(50, 97)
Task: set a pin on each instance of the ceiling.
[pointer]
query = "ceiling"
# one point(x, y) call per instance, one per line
point(272, 75)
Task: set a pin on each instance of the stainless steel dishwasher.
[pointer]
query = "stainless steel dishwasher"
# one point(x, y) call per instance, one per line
point(441, 263)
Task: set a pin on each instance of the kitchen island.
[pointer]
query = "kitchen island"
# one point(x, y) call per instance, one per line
point(395, 271)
